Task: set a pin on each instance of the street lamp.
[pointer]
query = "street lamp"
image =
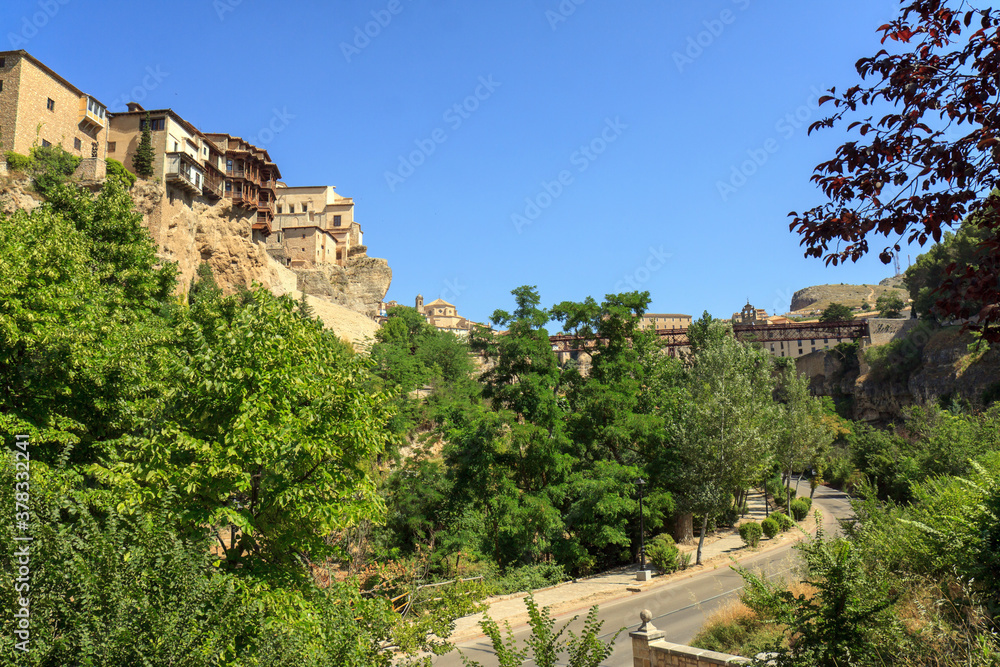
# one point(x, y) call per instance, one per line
point(642, 531)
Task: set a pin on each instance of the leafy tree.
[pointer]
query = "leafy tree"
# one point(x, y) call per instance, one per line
point(267, 436)
point(889, 304)
point(50, 167)
point(850, 620)
point(723, 443)
point(929, 161)
point(142, 161)
point(82, 341)
point(801, 432)
point(930, 270)
point(836, 312)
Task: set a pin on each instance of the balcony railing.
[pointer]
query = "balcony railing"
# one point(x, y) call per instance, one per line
point(182, 170)
point(212, 186)
point(236, 172)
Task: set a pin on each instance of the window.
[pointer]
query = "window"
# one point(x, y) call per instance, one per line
point(111, 146)
point(800, 343)
point(51, 104)
point(305, 207)
point(3, 62)
point(1, 85)
point(154, 124)
point(77, 144)
point(176, 146)
point(46, 143)
point(336, 221)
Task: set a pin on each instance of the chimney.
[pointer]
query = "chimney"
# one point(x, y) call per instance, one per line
point(135, 106)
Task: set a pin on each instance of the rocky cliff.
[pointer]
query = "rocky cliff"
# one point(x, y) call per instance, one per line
point(191, 231)
point(947, 370)
point(359, 286)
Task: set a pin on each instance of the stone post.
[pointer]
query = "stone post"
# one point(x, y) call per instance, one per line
point(647, 632)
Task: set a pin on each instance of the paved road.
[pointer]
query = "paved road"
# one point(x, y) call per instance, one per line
point(679, 609)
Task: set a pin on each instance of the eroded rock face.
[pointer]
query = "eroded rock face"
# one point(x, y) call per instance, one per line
point(15, 194)
point(192, 231)
point(360, 285)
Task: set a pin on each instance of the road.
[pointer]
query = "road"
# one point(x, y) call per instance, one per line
point(679, 609)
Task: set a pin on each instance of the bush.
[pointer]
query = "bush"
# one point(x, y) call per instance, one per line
point(51, 166)
point(17, 162)
point(800, 509)
point(780, 518)
point(663, 553)
point(751, 532)
point(808, 501)
point(526, 578)
point(118, 171)
point(770, 527)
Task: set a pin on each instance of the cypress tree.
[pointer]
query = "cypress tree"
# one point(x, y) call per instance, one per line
point(142, 161)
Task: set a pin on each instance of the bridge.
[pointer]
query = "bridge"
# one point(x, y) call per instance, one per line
point(747, 333)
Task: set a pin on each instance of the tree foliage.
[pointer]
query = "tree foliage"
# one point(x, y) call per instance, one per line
point(836, 312)
point(142, 160)
point(929, 162)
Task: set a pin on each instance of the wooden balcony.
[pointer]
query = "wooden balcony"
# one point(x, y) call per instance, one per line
point(183, 171)
point(212, 185)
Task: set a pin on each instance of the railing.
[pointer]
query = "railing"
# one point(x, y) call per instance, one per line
point(179, 168)
point(236, 172)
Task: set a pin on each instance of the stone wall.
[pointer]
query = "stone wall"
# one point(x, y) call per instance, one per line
point(649, 649)
point(883, 331)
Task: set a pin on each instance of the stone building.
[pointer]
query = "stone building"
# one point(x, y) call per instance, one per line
point(251, 180)
point(443, 316)
point(795, 346)
point(186, 162)
point(40, 108)
point(316, 225)
point(665, 321)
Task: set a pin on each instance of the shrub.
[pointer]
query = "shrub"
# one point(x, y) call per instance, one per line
point(117, 170)
point(526, 578)
point(17, 162)
point(663, 553)
point(751, 532)
point(808, 501)
point(357, 250)
point(770, 527)
point(780, 518)
point(51, 166)
point(684, 560)
point(799, 509)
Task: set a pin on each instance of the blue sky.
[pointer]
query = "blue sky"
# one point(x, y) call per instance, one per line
point(583, 146)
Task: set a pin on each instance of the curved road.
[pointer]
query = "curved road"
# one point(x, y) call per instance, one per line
point(679, 609)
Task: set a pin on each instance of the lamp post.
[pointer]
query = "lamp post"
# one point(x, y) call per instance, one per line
point(642, 531)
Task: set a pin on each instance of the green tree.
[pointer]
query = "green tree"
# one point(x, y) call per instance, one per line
point(889, 304)
point(267, 436)
point(142, 161)
point(800, 433)
point(836, 312)
point(723, 437)
point(82, 339)
point(850, 620)
point(930, 271)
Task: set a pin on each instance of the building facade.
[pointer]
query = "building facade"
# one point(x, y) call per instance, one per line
point(251, 180)
point(184, 160)
point(443, 316)
point(665, 321)
point(40, 108)
point(316, 225)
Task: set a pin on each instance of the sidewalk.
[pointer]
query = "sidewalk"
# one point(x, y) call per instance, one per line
point(572, 595)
